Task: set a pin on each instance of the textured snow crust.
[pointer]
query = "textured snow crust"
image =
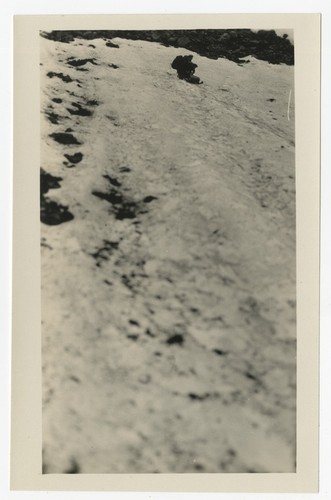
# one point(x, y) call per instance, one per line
point(168, 300)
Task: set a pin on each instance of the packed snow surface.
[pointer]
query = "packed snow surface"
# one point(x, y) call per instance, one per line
point(168, 295)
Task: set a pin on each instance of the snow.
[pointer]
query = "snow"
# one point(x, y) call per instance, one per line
point(210, 258)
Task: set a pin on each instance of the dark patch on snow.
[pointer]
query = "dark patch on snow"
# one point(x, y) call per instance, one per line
point(113, 181)
point(80, 111)
point(53, 117)
point(198, 397)
point(43, 243)
point(112, 196)
point(80, 62)
point(127, 282)
point(64, 138)
point(52, 213)
point(149, 333)
point(202, 397)
point(57, 100)
point(103, 253)
point(175, 339)
point(113, 66)
point(113, 45)
point(113, 119)
point(64, 78)
point(92, 102)
point(251, 376)
point(133, 336)
point(219, 352)
point(194, 310)
point(75, 158)
point(48, 181)
point(148, 199)
point(123, 208)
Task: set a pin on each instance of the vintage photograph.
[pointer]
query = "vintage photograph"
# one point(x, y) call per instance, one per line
point(168, 251)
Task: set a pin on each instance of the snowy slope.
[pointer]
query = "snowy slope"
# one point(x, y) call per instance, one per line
point(168, 300)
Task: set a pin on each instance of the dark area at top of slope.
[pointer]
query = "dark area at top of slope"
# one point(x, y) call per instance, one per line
point(231, 44)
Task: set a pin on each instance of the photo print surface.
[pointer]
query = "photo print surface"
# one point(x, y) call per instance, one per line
point(168, 240)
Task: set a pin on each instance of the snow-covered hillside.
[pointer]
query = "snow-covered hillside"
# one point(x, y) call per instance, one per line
point(168, 291)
